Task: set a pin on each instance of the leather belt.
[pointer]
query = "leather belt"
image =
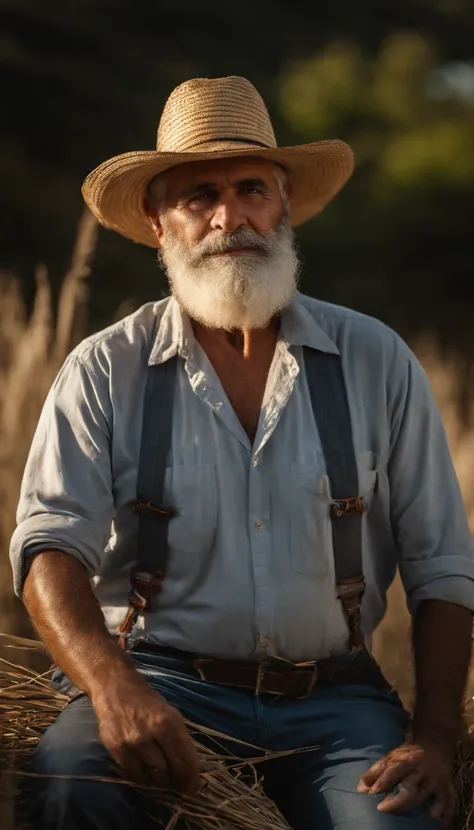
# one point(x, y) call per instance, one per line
point(294, 681)
point(279, 677)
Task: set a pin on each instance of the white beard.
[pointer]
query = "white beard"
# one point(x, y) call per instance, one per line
point(243, 291)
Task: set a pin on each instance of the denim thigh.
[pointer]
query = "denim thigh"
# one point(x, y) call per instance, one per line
point(70, 752)
point(350, 728)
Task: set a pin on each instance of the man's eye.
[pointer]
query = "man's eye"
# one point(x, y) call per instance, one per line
point(201, 199)
point(253, 190)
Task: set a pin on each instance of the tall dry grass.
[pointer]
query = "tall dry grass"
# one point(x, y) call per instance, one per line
point(32, 349)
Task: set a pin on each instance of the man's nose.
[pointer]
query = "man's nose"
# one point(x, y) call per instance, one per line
point(228, 215)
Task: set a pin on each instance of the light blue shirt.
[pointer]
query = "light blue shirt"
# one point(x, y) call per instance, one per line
point(251, 568)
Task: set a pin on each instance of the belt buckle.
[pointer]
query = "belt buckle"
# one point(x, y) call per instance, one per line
point(200, 665)
point(260, 679)
point(311, 680)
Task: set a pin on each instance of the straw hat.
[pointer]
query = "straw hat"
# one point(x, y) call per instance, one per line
point(213, 119)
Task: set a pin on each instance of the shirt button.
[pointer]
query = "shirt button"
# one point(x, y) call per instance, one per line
point(263, 642)
point(258, 524)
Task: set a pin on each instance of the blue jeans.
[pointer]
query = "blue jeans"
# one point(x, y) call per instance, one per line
point(352, 726)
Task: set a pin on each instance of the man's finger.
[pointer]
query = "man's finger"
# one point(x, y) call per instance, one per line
point(443, 806)
point(185, 778)
point(370, 777)
point(408, 795)
point(437, 806)
point(183, 762)
point(157, 770)
point(391, 776)
point(132, 767)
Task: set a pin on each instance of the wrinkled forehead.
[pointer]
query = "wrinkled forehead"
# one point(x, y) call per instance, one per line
point(219, 172)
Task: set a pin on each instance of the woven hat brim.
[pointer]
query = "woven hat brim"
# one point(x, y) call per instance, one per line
point(115, 190)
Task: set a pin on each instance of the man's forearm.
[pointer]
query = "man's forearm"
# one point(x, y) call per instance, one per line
point(146, 737)
point(59, 598)
point(442, 634)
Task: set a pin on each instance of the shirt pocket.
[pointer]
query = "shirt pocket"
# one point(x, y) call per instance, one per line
point(191, 491)
point(311, 525)
point(367, 463)
point(310, 522)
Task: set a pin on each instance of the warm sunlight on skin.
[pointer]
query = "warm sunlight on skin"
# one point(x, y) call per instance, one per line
point(219, 195)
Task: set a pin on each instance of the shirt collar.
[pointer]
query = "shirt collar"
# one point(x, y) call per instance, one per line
point(174, 336)
point(298, 328)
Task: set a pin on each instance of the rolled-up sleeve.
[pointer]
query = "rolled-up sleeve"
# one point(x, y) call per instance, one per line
point(66, 500)
point(427, 512)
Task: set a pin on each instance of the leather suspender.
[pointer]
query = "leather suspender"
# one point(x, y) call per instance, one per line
point(328, 395)
point(153, 516)
point(331, 412)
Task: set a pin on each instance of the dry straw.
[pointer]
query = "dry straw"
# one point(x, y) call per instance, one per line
point(227, 798)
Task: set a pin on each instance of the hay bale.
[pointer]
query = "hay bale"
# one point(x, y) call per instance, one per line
point(225, 801)
point(7, 788)
point(464, 783)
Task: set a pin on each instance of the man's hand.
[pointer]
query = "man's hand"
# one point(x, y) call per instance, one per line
point(421, 772)
point(146, 736)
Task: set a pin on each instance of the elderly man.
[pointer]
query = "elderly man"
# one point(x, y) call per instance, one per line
point(258, 463)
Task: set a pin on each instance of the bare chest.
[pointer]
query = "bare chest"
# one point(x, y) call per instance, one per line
point(245, 394)
point(244, 381)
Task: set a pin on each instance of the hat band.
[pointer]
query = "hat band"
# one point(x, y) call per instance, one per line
point(234, 140)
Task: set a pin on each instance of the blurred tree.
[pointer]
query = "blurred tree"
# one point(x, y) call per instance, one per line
point(405, 252)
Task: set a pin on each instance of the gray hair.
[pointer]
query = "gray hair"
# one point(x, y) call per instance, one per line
point(282, 177)
point(156, 189)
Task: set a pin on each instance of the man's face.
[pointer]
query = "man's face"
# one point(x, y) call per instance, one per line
point(226, 241)
point(208, 196)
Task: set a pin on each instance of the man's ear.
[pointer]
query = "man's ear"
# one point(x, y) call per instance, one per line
point(154, 219)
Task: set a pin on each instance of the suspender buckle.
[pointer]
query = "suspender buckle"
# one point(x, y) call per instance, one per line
point(341, 508)
point(128, 624)
point(150, 508)
point(350, 592)
point(351, 589)
point(144, 586)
